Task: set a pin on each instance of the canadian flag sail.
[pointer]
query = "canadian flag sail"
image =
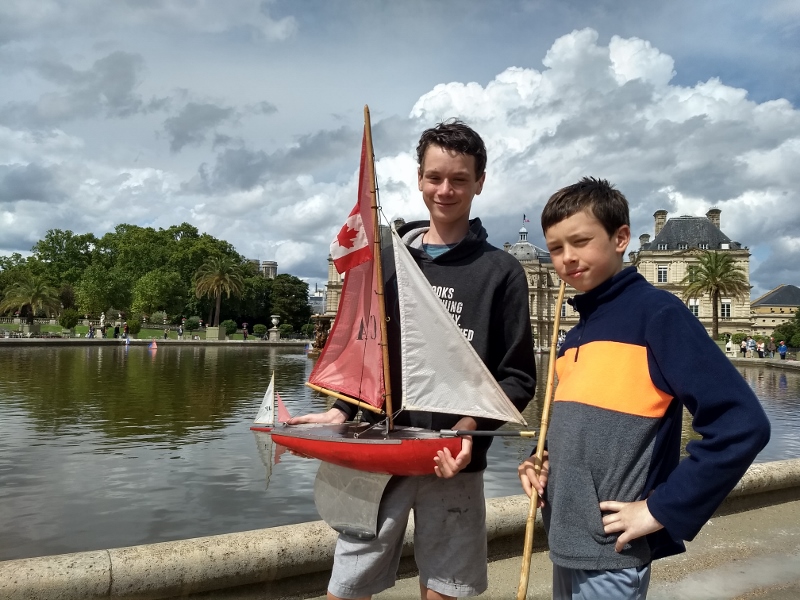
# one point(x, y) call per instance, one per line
point(353, 244)
point(352, 361)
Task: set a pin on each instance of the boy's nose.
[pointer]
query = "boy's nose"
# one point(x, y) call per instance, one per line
point(445, 189)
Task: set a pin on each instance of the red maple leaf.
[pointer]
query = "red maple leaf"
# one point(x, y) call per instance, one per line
point(346, 236)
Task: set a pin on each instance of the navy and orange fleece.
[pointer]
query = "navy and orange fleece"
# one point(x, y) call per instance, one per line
point(625, 372)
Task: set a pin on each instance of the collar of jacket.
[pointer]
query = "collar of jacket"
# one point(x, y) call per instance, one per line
point(588, 302)
point(411, 234)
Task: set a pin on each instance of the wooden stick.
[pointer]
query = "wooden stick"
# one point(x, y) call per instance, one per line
point(522, 590)
point(355, 401)
point(387, 384)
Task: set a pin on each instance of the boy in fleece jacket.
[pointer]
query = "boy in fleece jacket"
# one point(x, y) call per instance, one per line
point(615, 494)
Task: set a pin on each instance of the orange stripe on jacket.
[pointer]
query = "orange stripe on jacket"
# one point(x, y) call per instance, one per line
point(610, 375)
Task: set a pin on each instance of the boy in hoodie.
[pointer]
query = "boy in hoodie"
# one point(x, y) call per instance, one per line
point(485, 290)
point(615, 493)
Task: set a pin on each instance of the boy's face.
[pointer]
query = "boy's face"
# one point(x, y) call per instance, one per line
point(583, 253)
point(448, 184)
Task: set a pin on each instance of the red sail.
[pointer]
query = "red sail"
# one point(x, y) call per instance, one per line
point(352, 361)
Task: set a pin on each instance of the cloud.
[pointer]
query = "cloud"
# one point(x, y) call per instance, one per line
point(106, 88)
point(611, 111)
point(196, 120)
point(20, 20)
point(616, 109)
point(28, 182)
point(193, 123)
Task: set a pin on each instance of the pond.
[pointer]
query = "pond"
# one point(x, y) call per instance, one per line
point(110, 446)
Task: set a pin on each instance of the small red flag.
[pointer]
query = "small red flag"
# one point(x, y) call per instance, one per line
point(351, 247)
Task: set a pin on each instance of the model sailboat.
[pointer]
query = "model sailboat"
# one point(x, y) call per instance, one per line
point(441, 372)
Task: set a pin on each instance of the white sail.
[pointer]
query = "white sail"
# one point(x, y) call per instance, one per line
point(266, 413)
point(441, 372)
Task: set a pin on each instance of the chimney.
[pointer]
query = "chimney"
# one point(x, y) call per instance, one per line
point(644, 239)
point(507, 246)
point(713, 216)
point(661, 219)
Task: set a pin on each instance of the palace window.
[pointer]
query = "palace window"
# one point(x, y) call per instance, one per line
point(694, 306)
point(662, 274)
point(563, 309)
point(725, 309)
point(692, 274)
point(662, 246)
point(703, 245)
point(683, 246)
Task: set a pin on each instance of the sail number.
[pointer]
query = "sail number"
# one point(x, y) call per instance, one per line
point(368, 329)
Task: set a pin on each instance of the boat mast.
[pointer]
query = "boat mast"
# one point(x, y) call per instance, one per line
point(387, 391)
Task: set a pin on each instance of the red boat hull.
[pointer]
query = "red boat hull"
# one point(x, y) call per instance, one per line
point(405, 451)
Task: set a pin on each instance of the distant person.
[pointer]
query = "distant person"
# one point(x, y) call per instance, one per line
point(760, 346)
point(782, 350)
point(751, 347)
point(116, 331)
point(166, 333)
point(771, 347)
point(615, 493)
point(744, 348)
point(244, 331)
point(180, 332)
point(125, 329)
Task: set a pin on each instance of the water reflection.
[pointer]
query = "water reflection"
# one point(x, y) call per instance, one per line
point(107, 446)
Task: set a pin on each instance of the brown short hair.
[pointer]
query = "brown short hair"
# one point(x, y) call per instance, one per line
point(457, 136)
point(607, 204)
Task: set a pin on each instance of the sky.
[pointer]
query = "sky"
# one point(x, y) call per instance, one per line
point(244, 118)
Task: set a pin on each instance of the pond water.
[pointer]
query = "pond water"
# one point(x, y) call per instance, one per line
point(110, 446)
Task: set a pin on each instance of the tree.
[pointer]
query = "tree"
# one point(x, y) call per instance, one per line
point(290, 300)
point(787, 331)
point(101, 288)
point(218, 275)
point(28, 295)
point(159, 289)
point(64, 255)
point(69, 318)
point(717, 275)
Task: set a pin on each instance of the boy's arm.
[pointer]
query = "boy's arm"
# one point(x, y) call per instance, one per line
point(511, 345)
point(686, 363)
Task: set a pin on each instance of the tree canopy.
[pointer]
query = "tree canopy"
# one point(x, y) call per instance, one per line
point(716, 275)
point(141, 270)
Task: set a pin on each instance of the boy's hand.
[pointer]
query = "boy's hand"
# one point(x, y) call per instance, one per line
point(630, 519)
point(529, 480)
point(447, 466)
point(334, 415)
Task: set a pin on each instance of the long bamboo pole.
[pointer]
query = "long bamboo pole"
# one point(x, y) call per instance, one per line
point(378, 268)
point(522, 590)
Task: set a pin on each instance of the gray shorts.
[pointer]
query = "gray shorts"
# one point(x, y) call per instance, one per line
point(619, 584)
point(449, 539)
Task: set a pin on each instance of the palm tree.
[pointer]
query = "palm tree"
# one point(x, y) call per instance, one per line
point(217, 275)
point(717, 275)
point(29, 294)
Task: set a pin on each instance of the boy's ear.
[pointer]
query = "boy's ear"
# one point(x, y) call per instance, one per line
point(481, 181)
point(622, 237)
point(419, 178)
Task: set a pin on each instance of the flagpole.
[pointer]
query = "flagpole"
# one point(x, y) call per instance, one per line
point(387, 388)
